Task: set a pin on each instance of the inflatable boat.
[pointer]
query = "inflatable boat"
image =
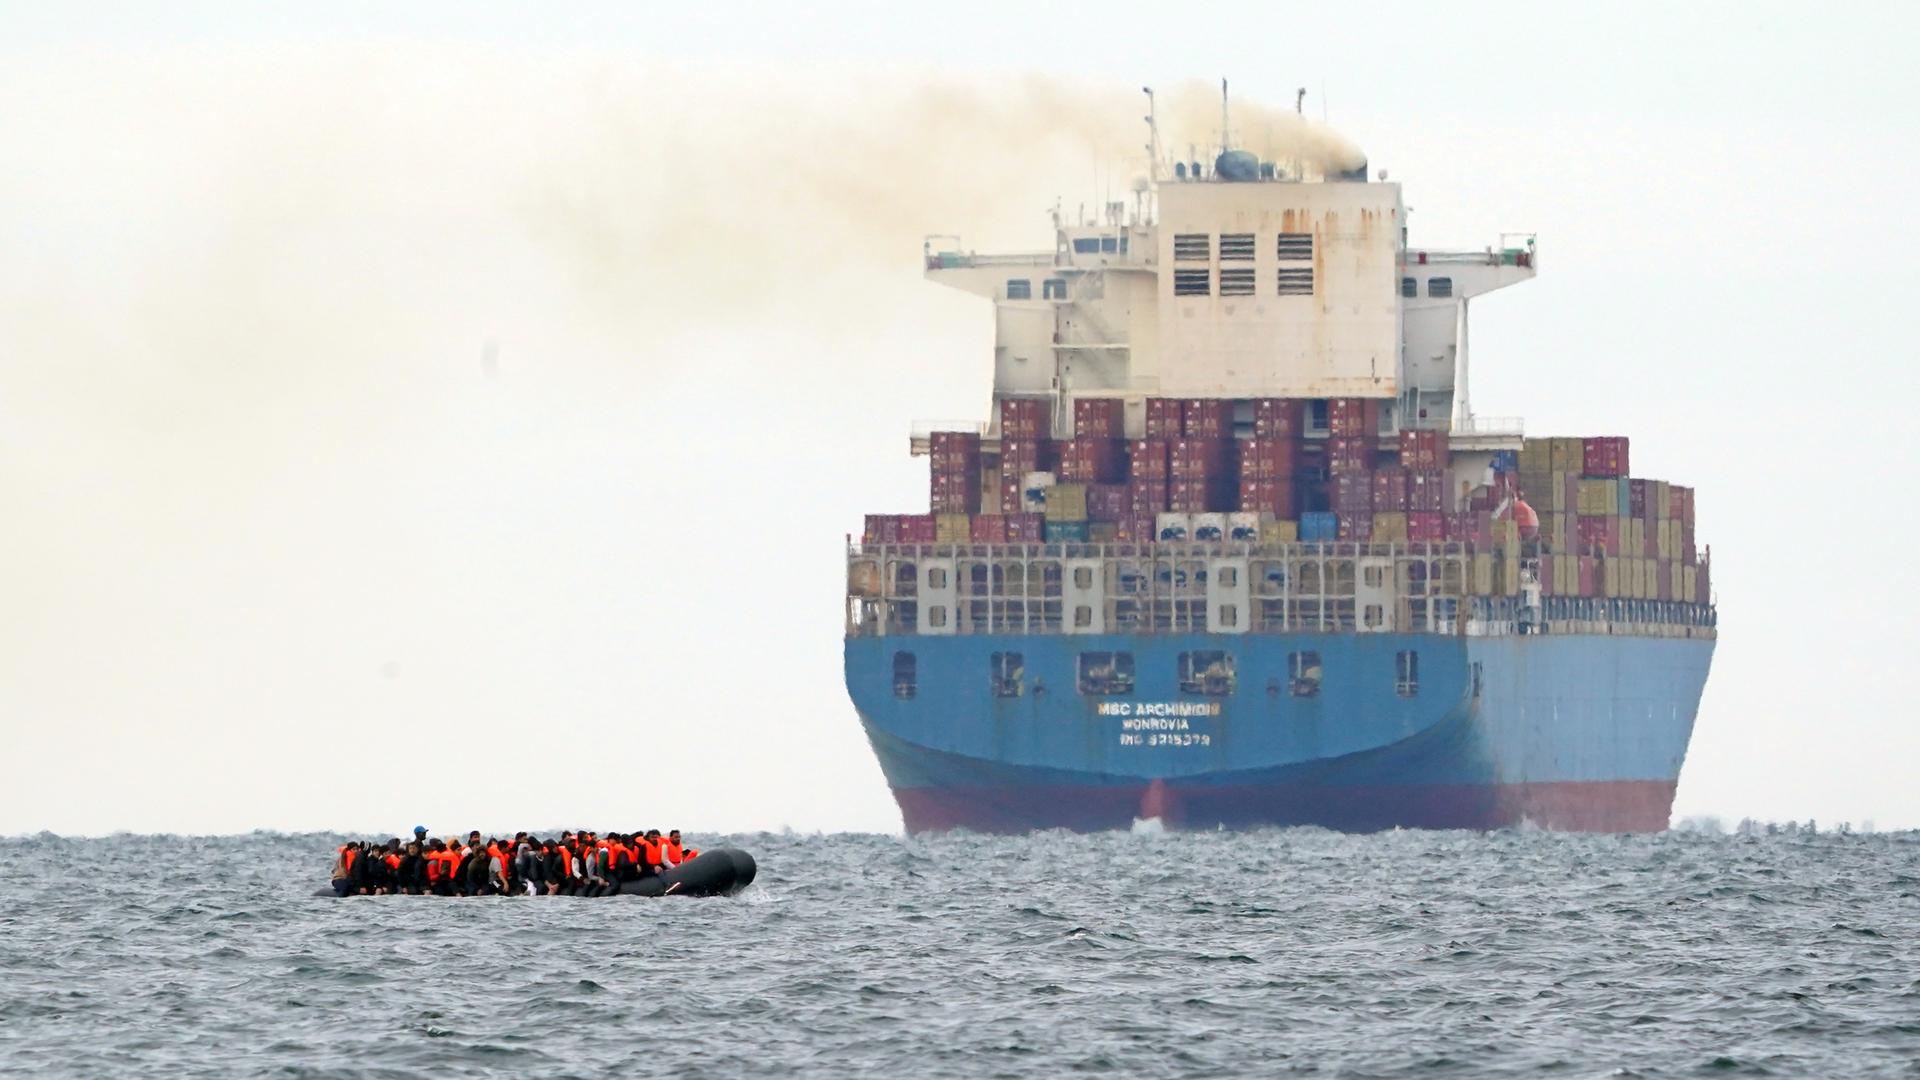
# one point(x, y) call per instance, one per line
point(718, 872)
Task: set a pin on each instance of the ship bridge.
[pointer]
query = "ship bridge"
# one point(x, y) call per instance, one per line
point(1258, 287)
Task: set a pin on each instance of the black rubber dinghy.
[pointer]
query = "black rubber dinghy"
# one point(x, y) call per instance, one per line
point(720, 872)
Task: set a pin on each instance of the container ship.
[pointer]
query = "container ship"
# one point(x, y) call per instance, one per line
point(1232, 548)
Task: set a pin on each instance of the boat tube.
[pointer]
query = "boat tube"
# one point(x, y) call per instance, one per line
point(719, 872)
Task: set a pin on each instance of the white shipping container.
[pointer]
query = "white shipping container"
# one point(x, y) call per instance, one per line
point(1210, 526)
point(1033, 491)
point(1173, 527)
point(1243, 526)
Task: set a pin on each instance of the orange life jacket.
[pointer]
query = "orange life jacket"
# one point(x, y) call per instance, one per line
point(566, 862)
point(393, 861)
point(351, 855)
point(674, 854)
point(693, 853)
point(651, 851)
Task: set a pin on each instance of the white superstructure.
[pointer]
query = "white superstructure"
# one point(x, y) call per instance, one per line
point(1241, 282)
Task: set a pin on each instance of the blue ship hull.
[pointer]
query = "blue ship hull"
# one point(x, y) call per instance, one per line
point(1563, 731)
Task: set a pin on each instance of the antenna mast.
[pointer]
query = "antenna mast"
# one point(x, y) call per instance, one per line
point(1300, 102)
point(1153, 136)
point(1225, 141)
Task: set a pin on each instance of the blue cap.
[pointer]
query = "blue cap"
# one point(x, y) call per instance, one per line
point(419, 830)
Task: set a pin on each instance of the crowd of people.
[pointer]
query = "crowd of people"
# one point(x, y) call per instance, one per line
point(577, 864)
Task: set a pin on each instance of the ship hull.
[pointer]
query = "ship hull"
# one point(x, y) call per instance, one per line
point(1580, 732)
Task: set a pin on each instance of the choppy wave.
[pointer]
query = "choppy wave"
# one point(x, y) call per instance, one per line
point(1702, 951)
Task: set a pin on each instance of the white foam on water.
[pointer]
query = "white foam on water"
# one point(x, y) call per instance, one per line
point(1152, 826)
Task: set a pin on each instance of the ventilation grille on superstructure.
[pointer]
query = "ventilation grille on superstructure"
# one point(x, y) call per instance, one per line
point(1296, 282)
point(1295, 247)
point(1192, 247)
point(1191, 282)
point(1236, 247)
point(1237, 281)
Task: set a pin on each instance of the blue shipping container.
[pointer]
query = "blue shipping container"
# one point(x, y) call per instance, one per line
point(1506, 461)
point(1319, 527)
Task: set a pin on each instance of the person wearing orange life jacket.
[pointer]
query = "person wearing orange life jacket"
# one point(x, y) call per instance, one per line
point(561, 879)
point(676, 852)
point(652, 859)
point(618, 861)
point(349, 871)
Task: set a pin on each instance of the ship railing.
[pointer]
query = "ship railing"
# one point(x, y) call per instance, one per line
point(962, 260)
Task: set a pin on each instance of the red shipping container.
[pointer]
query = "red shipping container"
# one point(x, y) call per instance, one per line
point(954, 451)
point(1269, 459)
point(955, 493)
point(1026, 528)
point(1163, 418)
point(1353, 416)
point(1147, 459)
point(1702, 588)
point(988, 529)
point(1346, 454)
point(1026, 418)
point(1640, 495)
point(1012, 497)
point(1351, 494)
point(1356, 529)
point(1605, 456)
point(1279, 418)
point(1108, 502)
point(1197, 496)
point(1274, 497)
point(1650, 542)
point(1589, 576)
point(1194, 459)
point(1389, 490)
point(881, 529)
point(1483, 498)
point(1022, 456)
point(1680, 504)
point(1099, 418)
point(1602, 533)
point(916, 528)
point(1426, 527)
point(1663, 580)
point(1206, 418)
point(1428, 491)
point(1423, 449)
point(1471, 527)
point(1148, 496)
point(1092, 461)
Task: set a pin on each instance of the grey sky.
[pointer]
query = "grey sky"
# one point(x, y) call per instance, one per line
point(281, 549)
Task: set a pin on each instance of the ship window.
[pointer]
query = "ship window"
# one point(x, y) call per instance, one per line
point(905, 680)
point(1054, 289)
point(1109, 245)
point(1019, 289)
point(1375, 576)
point(1375, 616)
point(1082, 616)
point(1237, 282)
point(1406, 673)
point(1229, 616)
point(1207, 672)
point(1083, 577)
point(1106, 673)
point(1229, 577)
point(1192, 282)
point(1409, 287)
point(1192, 247)
point(1236, 247)
point(936, 615)
point(1303, 674)
point(1295, 282)
point(1086, 245)
point(1007, 674)
point(1440, 287)
point(936, 577)
point(1294, 247)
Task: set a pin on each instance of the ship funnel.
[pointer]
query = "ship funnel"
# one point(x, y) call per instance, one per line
point(1358, 173)
point(1240, 165)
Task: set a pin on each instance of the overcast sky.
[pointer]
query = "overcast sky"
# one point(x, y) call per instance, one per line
point(448, 413)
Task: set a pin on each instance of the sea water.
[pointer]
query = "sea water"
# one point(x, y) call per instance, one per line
point(1149, 953)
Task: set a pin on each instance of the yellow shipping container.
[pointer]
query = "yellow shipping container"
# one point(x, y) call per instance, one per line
point(1599, 498)
point(1689, 583)
point(1649, 579)
point(1279, 532)
point(1536, 455)
point(1569, 455)
point(1559, 530)
point(1613, 578)
point(1662, 495)
point(1390, 528)
point(1633, 535)
point(1482, 584)
point(1067, 502)
point(952, 528)
point(1510, 573)
point(1102, 532)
